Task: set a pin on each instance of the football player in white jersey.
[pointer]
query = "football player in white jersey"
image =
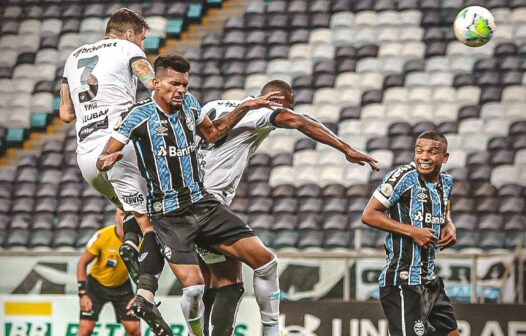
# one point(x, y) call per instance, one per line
point(224, 163)
point(99, 84)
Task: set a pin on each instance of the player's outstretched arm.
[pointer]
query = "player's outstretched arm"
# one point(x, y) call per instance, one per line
point(317, 131)
point(66, 109)
point(212, 131)
point(144, 71)
point(374, 216)
point(110, 155)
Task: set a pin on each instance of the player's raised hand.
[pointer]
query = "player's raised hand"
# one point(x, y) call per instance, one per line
point(424, 237)
point(361, 159)
point(271, 99)
point(106, 161)
point(85, 303)
point(448, 236)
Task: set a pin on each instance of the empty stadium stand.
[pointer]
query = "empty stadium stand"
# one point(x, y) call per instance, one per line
point(377, 73)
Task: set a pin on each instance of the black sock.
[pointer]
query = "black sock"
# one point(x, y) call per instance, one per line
point(226, 303)
point(132, 231)
point(208, 299)
point(150, 258)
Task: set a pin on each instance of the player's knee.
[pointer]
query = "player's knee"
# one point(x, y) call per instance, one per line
point(194, 292)
point(85, 328)
point(132, 328)
point(268, 270)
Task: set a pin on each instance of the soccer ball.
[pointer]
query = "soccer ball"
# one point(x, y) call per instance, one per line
point(474, 26)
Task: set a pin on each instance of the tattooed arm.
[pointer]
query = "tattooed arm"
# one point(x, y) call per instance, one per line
point(144, 71)
point(211, 131)
point(66, 110)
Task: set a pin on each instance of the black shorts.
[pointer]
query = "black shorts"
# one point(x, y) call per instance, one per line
point(204, 223)
point(418, 310)
point(118, 296)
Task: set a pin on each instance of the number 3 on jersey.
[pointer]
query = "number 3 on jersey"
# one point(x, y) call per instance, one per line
point(88, 79)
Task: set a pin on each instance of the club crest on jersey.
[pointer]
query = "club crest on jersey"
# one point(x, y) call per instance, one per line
point(190, 123)
point(419, 328)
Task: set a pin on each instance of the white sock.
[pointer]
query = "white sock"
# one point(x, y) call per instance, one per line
point(266, 289)
point(146, 294)
point(193, 308)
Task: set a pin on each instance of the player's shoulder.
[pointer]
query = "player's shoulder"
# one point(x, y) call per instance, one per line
point(402, 173)
point(107, 230)
point(446, 177)
point(217, 107)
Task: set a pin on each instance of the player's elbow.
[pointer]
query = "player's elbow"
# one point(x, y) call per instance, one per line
point(367, 216)
point(66, 115)
point(100, 166)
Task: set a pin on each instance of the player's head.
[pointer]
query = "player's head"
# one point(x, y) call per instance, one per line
point(284, 89)
point(171, 79)
point(127, 25)
point(119, 218)
point(430, 153)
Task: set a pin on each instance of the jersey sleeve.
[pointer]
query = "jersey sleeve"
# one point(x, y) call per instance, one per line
point(126, 124)
point(394, 185)
point(266, 117)
point(195, 107)
point(132, 52)
point(93, 245)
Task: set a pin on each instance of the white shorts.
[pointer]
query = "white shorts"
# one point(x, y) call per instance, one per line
point(123, 184)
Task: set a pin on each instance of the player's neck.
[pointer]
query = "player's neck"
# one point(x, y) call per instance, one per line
point(431, 178)
point(166, 108)
point(109, 36)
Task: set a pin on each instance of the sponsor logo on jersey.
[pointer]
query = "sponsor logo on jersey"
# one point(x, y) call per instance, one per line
point(94, 115)
point(399, 172)
point(429, 219)
point(134, 199)
point(174, 151)
point(422, 197)
point(94, 48)
point(162, 131)
point(88, 129)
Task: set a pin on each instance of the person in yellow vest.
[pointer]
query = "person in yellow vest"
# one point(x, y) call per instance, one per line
point(107, 281)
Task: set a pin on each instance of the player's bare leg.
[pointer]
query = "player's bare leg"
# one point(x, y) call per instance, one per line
point(253, 252)
point(454, 333)
point(85, 327)
point(132, 328)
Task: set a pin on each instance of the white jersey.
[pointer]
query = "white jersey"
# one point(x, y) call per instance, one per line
point(102, 86)
point(225, 160)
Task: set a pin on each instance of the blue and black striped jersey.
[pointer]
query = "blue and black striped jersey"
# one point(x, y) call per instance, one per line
point(411, 200)
point(166, 148)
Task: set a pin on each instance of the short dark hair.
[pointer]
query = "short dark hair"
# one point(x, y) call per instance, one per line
point(172, 61)
point(276, 85)
point(123, 19)
point(434, 135)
